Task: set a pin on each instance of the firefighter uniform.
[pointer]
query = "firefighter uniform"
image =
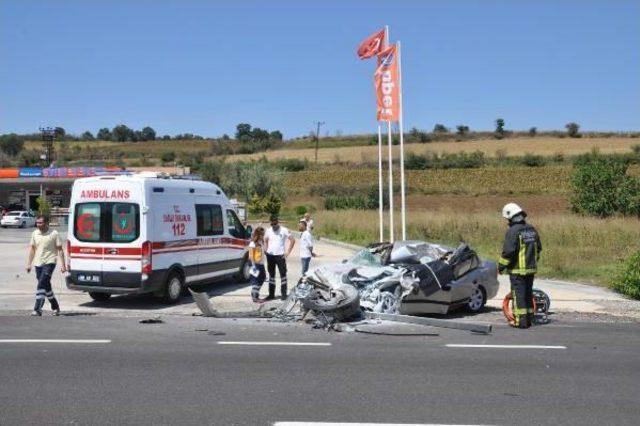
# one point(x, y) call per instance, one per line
point(520, 255)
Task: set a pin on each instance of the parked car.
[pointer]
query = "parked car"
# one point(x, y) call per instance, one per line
point(21, 219)
point(407, 277)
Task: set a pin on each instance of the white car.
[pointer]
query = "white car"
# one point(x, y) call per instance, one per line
point(21, 219)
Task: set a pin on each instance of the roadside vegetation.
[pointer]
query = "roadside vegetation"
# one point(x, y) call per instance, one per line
point(582, 189)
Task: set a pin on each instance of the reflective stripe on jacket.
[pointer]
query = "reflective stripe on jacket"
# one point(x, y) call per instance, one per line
point(521, 249)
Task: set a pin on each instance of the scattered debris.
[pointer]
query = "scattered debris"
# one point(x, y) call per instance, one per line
point(155, 320)
point(432, 322)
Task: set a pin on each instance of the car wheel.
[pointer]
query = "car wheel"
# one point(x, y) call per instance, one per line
point(173, 288)
point(23, 224)
point(344, 302)
point(244, 274)
point(99, 297)
point(477, 300)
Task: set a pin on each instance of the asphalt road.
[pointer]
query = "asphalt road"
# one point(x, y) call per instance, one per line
point(178, 372)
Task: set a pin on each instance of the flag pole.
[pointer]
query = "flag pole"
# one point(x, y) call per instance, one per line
point(386, 45)
point(402, 181)
point(380, 199)
point(390, 182)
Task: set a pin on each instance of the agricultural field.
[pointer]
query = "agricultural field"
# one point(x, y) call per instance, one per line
point(544, 146)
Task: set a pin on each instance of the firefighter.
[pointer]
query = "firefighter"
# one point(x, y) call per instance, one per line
point(520, 255)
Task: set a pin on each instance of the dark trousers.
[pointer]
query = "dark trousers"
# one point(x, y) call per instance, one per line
point(256, 282)
point(305, 264)
point(281, 263)
point(43, 275)
point(522, 293)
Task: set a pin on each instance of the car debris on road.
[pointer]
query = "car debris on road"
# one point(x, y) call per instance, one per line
point(383, 282)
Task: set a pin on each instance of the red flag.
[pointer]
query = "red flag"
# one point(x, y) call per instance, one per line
point(386, 83)
point(372, 46)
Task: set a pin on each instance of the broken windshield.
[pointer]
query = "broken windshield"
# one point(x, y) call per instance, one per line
point(366, 258)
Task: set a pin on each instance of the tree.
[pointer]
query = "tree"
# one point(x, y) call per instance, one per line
point(259, 135)
point(122, 133)
point(225, 137)
point(573, 130)
point(276, 136)
point(499, 133)
point(243, 131)
point(11, 144)
point(59, 132)
point(104, 134)
point(148, 134)
point(166, 138)
point(533, 131)
point(87, 136)
point(462, 130)
point(440, 128)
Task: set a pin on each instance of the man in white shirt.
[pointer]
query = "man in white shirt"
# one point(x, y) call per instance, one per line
point(277, 249)
point(308, 221)
point(306, 245)
point(44, 248)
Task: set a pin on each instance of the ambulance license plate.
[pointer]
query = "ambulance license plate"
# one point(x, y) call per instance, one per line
point(89, 278)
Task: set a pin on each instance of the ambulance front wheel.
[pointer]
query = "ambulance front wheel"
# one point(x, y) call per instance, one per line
point(244, 274)
point(173, 288)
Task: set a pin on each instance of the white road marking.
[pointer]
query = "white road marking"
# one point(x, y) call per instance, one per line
point(53, 341)
point(505, 346)
point(359, 424)
point(274, 343)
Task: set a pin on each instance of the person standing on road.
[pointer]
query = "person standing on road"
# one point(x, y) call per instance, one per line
point(276, 238)
point(44, 248)
point(256, 257)
point(520, 256)
point(306, 245)
point(308, 221)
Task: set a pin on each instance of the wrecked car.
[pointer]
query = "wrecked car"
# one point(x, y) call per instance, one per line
point(405, 277)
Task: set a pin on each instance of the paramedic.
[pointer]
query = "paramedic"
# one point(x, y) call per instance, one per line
point(277, 250)
point(520, 255)
point(257, 263)
point(44, 248)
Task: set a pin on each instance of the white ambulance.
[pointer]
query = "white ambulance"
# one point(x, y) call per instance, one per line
point(150, 233)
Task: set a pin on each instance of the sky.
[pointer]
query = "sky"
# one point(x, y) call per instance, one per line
point(196, 66)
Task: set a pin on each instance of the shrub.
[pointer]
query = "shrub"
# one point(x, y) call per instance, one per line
point(532, 160)
point(533, 131)
point(636, 149)
point(331, 189)
point(601, 187)
point(341, 202)
point(291, 164)
point(627, 281)
point(168, 156)
point(416, 162)
point(300, 210)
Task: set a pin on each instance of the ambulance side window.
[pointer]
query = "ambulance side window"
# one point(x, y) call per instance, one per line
point(209, 218)
point(87, 222)
point(235, 226)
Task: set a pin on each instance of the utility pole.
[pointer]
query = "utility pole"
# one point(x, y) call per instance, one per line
point(48, 135)
point(318, 124)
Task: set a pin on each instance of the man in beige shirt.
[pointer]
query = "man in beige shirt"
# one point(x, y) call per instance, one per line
point(44, 248)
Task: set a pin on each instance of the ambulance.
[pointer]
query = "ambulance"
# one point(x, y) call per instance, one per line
point(151, 233)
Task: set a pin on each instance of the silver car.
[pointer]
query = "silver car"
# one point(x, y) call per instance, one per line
point(413, 277)
point(21, 219)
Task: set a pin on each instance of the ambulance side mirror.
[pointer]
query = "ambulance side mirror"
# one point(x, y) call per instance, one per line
point(248, 232)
